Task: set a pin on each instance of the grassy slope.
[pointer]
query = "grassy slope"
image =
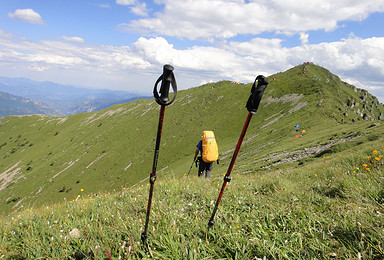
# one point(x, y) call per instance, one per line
point(53, 158)
point(330, 208)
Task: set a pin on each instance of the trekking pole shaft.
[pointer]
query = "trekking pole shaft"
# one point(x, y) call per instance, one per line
point(158, 137)
point(191, 166)
point(239, 142)
point(226, 178)
point(152, 177)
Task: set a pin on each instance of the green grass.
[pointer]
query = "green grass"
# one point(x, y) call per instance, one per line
point(325, 209)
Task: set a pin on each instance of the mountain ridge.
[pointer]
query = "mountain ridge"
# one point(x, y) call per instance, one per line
point(46, 160)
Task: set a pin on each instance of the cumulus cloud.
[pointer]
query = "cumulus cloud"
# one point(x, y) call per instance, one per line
point(304, 38)
point(137, 7)
point(73, 39)
point(209, 59)
point(222, 19)
point(67, 55)
point(125, 2)
point(354, 59)
point(140, 9)
point(26, 15)
point(106, 5)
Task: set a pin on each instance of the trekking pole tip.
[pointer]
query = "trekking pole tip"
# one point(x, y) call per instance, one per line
point(144, 237)
point(210, 223)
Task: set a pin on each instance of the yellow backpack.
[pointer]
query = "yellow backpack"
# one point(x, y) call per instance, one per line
point(210, 149)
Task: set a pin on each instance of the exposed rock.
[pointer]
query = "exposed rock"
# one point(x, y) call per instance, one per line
point(294, 156)
point(294, 98)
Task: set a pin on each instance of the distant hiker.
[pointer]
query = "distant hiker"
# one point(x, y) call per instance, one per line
point(208, 149)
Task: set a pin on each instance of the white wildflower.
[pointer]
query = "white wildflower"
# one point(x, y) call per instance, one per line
point(75, 233)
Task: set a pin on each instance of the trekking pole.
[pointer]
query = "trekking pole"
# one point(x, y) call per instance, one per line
point(252, 106)
point(191, 166)
point(167, 78)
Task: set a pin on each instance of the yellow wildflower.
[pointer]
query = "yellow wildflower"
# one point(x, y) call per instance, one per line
point(367, 169)
point(377, 158)
point(365, 165)
point(375, 152)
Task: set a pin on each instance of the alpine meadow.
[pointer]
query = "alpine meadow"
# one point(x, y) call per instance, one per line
point(308, 182)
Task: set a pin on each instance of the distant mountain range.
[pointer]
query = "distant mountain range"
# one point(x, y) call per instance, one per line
point(24, 96)
point(15, 105)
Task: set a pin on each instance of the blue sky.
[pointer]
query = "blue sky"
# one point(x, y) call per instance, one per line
point(123, 44)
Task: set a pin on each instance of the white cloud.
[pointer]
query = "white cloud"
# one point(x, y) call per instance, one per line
point(27, 15)
point(353, 59)
point(209, 59)
point(222, 19)
point(304, 38)
point(140, 9)
point(125, 2)
point(73, 39)
point(66, 55)
point(105, 5)
point(137, 7)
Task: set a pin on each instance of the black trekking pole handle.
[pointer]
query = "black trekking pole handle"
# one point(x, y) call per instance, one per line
point(167, 78)
point(256, 93)
point(252, 106)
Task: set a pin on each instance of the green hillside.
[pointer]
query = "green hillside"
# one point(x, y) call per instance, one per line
point(307, 184)
point(48, 159)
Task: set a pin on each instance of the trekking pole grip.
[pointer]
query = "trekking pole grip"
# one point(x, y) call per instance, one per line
point(167, 79)
point(256, 93)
